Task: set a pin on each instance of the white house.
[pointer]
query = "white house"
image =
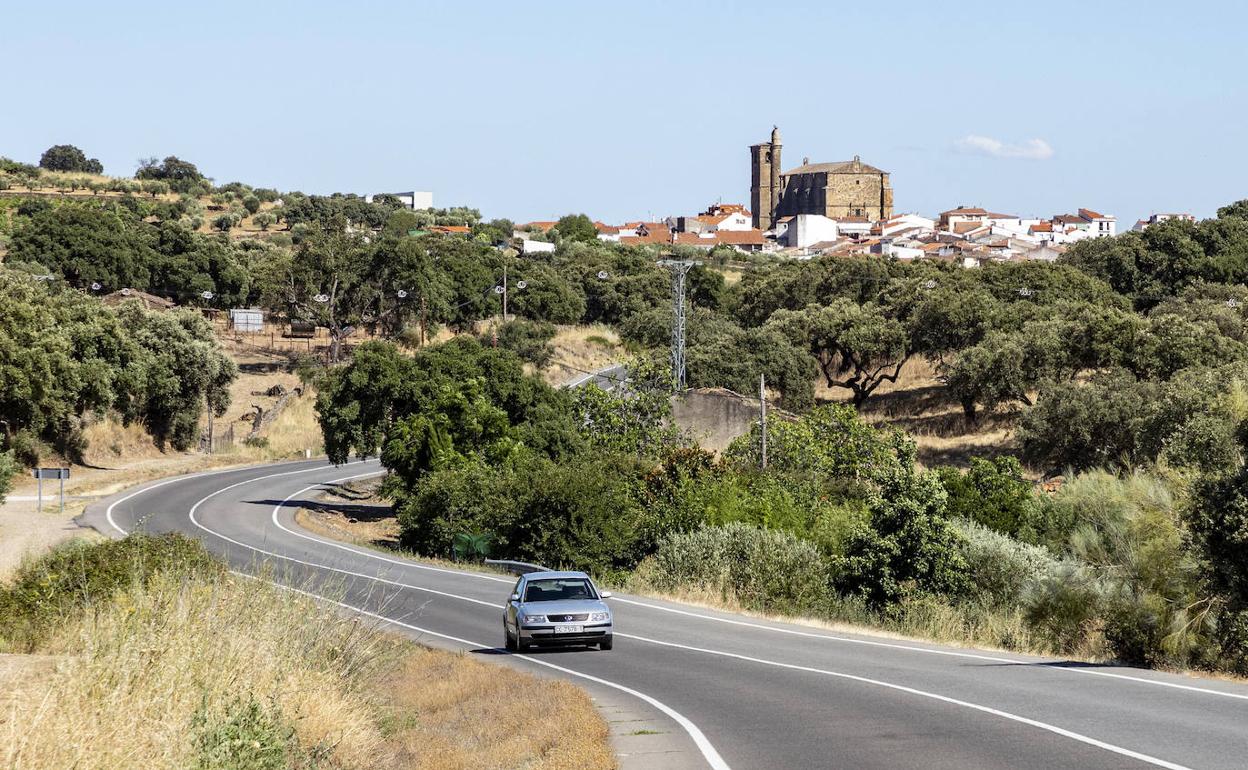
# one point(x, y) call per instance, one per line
point(906, 222)
point(414, 199)
point(853, 227)
point(808, 229)
point(1144, 224)
point(528, 246)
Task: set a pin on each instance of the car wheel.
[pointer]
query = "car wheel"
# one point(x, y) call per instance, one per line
point(607, 643)
point(508, 642)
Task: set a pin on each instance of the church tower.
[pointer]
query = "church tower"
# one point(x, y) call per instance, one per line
point(765, 181)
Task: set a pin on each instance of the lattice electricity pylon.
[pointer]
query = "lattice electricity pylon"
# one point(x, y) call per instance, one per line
point(679, 268)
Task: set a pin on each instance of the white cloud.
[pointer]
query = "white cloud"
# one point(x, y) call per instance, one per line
point(1032, 149)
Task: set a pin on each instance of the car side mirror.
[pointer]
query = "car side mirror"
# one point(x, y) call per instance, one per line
point(515, 597)
point(605, 594)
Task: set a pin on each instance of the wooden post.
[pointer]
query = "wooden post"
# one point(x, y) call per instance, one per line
point(762, 415)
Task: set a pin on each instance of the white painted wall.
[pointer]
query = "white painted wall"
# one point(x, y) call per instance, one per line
point(809, 229)
point(536, 247)
point(736, 221)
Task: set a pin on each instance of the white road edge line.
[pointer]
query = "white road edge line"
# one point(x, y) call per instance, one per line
point(108, 512)
point(934, 696)
point(709, 753)
point(902, 688)
point(792, 632)
point(929, 651)
point(1079, 737)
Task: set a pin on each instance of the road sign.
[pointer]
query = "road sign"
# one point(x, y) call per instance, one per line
point(50, 473)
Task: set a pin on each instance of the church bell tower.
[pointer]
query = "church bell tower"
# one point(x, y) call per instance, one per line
point(765, 181)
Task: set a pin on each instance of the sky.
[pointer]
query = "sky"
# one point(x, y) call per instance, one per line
point(638, 110)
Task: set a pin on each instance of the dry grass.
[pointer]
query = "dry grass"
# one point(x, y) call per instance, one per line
point(444, 712)
point(140, 682)
point(919, 404)
point(580, 349)
point(139, 671)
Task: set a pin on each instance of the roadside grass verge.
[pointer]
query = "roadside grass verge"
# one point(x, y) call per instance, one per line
point(921, 621)
point(165, 666)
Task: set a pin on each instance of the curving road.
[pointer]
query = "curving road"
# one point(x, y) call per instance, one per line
point(727, 690)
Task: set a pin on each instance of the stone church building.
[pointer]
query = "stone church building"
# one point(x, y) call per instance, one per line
point(849, 189)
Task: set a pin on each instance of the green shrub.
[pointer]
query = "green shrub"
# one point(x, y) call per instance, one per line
point(1063, 609)
point(761, 569)
point(908, 547)
point(77, 575)
point(8, 469)
point(993, 493)
point(528, 339)
point(248, 735)
point(1002, 570)
point(577, 513)
point(1148, 586)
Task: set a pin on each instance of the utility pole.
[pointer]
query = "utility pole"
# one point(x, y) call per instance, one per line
point(762, 416)
point(679, 269)
point(504, 292)
point(208, 402)
point(424, 318)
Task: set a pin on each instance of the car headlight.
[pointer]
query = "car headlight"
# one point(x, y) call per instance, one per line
point(534, 618)
point(600, 616)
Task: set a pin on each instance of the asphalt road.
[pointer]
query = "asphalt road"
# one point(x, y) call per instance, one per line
point(608, 378)
point(735, 691)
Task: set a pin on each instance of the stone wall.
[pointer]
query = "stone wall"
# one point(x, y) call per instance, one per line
point(714, 416)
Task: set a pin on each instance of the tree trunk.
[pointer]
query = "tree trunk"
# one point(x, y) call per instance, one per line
point(968, 410)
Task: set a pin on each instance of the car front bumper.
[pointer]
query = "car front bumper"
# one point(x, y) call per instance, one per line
point(545, 635)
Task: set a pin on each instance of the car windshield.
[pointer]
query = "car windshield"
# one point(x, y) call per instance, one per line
point(559, 589)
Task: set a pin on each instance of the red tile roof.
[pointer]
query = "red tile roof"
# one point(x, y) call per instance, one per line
point(740, 237)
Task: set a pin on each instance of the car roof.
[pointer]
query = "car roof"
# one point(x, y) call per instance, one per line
point(546, 575)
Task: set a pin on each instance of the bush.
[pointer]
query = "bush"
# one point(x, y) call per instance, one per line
point(993, 493)
point(761, 569)
point(1002, 570)
point(44, 593)
point(528, 339)
point(8, 469)
point(908, 548)
point(579, 513)
point(1063, 609)
point(246, 735)
point(1148, 583)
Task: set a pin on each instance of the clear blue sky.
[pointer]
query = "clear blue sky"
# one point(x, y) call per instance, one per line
point(530, 110)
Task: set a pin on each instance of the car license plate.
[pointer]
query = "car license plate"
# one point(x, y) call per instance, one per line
point(568, 629)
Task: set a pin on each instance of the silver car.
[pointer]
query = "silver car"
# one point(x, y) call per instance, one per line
point(556, 608)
